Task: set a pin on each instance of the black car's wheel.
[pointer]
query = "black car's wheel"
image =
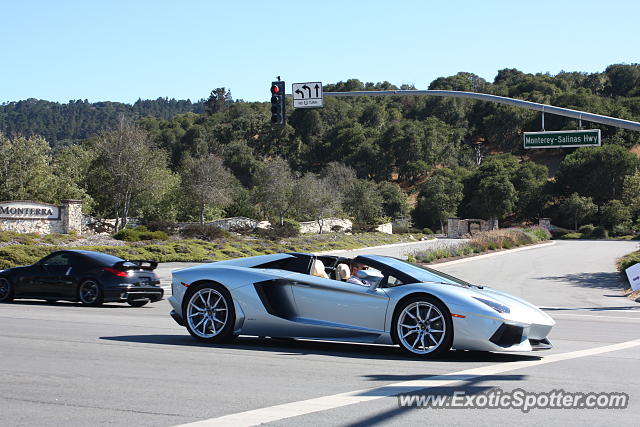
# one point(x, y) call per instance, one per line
point(90, 293)
point(138, 303)
point(422, 326)
point(6, 290)
point(209, 313)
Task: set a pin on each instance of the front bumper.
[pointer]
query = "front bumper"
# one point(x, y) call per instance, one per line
point(179, 320)
point(476, 332)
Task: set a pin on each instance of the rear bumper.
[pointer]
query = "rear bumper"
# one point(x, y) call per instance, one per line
point(133, 293)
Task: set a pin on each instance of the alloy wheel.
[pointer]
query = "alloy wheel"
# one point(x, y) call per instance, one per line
point(89, 292)
point(207, 313)
point(421, 327)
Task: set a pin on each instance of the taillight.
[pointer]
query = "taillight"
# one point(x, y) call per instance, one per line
point(116, 272)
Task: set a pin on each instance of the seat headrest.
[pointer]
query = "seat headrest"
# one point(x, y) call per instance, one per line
point(317, 269)
point(342, 272)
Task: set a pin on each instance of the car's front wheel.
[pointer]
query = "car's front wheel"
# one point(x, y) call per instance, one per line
point(423, 327)
point(6, 290)
point(209, 313)
point(90, 293)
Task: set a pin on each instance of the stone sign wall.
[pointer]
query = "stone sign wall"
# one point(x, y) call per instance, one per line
point(26, 216)
point(457, 228)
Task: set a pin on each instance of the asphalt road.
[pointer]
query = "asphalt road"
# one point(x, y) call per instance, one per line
point(69, 365)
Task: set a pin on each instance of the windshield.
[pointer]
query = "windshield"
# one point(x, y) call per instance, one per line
point(420, 273)
point(101, 258)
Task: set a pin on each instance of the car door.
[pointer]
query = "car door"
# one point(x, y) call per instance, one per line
point(339, 305)
point(55, 279)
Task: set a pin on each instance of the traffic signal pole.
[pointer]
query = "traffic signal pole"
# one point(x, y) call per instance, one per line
point(277, 103)
point(543, 108)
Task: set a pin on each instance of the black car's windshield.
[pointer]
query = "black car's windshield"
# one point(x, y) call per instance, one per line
point(102, 259)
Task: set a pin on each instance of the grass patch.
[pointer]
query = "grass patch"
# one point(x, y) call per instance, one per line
point(627, 261)
point(486, 241)
point(195, 250)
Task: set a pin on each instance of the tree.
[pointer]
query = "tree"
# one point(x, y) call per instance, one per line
point(220, 99)
point(364, 203)
point(127, 165)
point(315, 199)
point(489, 190)
point(274, 188)
point(208, 182)
point(394, 199)
point(631, 192)
point(596, 172)
point(579, 208)
point(70, 168)
point(614, 213)
point(529, 181)
point(25, 171)
point(439, 198)
point(496, 196)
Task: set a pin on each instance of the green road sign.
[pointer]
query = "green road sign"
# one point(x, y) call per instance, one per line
point(562, 138)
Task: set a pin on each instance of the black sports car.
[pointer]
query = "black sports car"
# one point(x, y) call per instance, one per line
point(85, 276)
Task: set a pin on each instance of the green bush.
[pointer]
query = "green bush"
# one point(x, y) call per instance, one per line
point(628, 260)
point(127, 234)
point(572, 236)
point(600, 233)
point(139, 233)
point(559, 232)
point(586, 230)
point(622, 230)
point(427, 230)
point(289, 228)
point(206, 232)
point(166, 226)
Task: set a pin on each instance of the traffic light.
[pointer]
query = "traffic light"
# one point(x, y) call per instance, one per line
point(277, 103)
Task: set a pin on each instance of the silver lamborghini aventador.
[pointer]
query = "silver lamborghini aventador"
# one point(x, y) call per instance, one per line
point(367, 299)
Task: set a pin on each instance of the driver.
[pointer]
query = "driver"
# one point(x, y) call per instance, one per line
point(354, 278)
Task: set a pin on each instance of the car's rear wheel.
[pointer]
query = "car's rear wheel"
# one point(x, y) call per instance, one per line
point(90, 293)
point(209, 313)
point(138, 303)
point(422, 327)
point(6, 290)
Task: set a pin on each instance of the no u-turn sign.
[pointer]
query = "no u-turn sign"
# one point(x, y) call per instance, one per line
point(307, 95)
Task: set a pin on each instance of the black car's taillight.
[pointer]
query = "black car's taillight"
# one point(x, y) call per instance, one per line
point(115, 271)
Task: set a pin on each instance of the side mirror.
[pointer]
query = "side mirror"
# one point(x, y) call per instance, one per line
point(373, 277)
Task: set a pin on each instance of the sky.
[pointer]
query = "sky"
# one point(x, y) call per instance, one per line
point(125, 50)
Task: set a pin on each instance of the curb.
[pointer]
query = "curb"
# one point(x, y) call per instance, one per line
point(392, 245)
point(503, 252)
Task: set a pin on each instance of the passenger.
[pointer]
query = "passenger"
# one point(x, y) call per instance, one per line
point(317, 269)
point(342, 272)
point(355, 267)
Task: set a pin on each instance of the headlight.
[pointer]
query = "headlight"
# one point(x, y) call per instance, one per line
point(500, 308)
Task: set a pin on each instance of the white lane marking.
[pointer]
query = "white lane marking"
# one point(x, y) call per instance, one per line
point(633, 308)
point(303, 407)
point(435, 264)
point(622, 318)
